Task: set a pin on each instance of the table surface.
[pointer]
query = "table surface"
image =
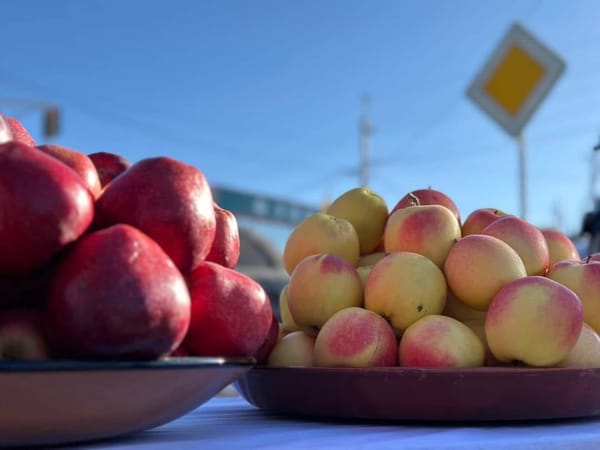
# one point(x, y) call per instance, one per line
point(229, 422)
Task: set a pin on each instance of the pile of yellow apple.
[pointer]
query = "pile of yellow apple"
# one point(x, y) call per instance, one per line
point(416, 286)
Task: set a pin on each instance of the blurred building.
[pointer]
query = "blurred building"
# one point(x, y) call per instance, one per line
point(262, 261)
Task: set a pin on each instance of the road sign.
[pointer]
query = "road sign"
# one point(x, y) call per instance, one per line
point(261, 207)
point(515, 79)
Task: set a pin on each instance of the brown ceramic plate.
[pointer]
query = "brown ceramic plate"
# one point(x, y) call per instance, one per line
point(480, 394)
point(57, 402)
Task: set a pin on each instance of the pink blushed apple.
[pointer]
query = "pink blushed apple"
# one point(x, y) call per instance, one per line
point(356, 337)
point(478, 266)
point(533, 320)
point(479, 219)
point(586, 352)
point(583, 278)
point(440, 341)
point(427, 196)
point(525, 238)
point(403, 287)
point(429, 230)
point(295, 349)
point(560, 246)
point(321, 233)
point(319, 286)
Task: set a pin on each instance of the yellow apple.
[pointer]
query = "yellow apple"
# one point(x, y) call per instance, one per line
point(586, 352)
point(403, 287)
point(460, 311)
point(287, 324)
point(295, 349)
point(560, 246)
point(534, 320)
point(321, 233)
point(440, 341)
point(366, 210)
point(370, 258)
point(583, 278)
point(479, 219)
point(525, 238)
point(478, 266)
point(319, 286)
point(429, 230)
point(356, 337)
point(363, 273)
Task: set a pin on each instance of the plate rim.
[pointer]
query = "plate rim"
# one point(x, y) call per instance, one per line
point(167, 363)
point(267, 389)
point(429, 370)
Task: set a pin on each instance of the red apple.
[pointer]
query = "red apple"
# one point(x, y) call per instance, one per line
point(109, 166)
point(30, 289)
point(44, 206)
point(77, 161)
point(262, 355)
point(5, 133)
point(180, 351)
point(19, 133)
point(22, 335)
point(231, 313)
point(168, 200)
point(225, 249)
point(117, 295)
point(427, 197)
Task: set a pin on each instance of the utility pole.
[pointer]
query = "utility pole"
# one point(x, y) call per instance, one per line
point(51, 114)
point(365, 130)
point(594, 175)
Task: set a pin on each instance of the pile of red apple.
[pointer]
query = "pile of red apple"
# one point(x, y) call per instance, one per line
point(103, 259)
point(416, 286)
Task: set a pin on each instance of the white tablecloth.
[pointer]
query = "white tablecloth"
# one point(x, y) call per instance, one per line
point(231, 423)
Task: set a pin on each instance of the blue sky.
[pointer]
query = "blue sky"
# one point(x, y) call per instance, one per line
point(264, 96)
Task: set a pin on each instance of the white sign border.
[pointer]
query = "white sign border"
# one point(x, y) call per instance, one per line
point(553, 65)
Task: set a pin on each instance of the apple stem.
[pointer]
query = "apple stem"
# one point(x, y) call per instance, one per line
point(413, 200)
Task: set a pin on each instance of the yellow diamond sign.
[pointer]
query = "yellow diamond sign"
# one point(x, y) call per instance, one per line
point(515, 79)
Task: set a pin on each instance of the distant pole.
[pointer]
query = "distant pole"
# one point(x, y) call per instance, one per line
point(522, 176)
point(594, 174)
point(365, 131)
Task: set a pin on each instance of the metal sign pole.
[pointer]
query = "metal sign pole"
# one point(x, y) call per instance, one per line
point(522, 175)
